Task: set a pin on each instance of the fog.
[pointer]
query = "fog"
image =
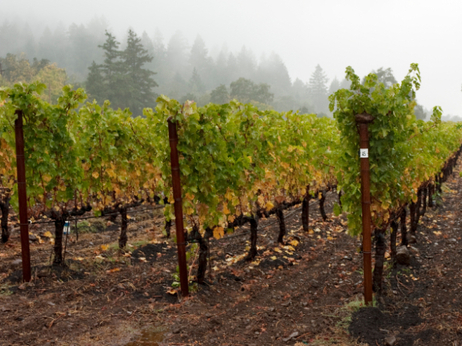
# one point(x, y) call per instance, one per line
point(363, 34)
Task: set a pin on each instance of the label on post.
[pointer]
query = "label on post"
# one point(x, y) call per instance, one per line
point(363, 153)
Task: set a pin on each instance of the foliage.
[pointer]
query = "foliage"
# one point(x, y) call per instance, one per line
point(404, 153)
point(122, 79)
point(18, 69)
point(245, 91)
point(237, 159)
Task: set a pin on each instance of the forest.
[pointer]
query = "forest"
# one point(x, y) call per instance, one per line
point(133, 71)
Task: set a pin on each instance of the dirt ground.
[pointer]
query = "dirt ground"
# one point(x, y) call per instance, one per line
point(307, 292)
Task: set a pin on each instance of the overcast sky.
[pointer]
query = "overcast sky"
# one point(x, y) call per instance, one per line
point(365, 34)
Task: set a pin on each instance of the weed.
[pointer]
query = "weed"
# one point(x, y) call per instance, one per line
point(5, 290)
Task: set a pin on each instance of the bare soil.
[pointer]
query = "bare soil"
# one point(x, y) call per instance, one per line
point(308, 291)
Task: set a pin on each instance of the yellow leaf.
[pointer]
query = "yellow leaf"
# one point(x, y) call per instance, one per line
point(273, 258)
point(110, 172)
point(218, 232)
point(48, 234)
point(269, 206)
point(104, 247)
point(277, 249)
point(330, 238)
point(172, 291)
point(294, 242)
point(95, 175)
point(189, 196)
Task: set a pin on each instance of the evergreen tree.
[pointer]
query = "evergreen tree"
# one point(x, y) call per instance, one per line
point(195, 83)
point(159, 62)
point(111, 69)
point(221, 69)
point(274, 72)
point(95, 86)
point(246, 63)
point(334, 86)
point(318, 90)
point(121, 78)
point(201, 62)
point(232, 68)
point(139, 83)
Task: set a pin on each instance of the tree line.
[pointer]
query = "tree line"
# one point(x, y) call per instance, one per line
point(131, 72)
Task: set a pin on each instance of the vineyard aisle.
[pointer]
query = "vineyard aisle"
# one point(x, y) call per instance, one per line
point(303, 293)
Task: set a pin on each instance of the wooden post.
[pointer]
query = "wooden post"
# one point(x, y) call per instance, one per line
point(363, 120)
point(22, 197)
point(181, 245)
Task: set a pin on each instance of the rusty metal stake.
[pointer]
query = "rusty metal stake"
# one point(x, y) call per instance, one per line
point(173, 136)
point(22, 197)
point(363, 120)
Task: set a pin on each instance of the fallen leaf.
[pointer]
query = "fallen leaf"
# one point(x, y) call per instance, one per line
point(172, 291)
point(113, 270)
point(294, 242)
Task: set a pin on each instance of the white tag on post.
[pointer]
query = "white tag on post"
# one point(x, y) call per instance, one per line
point(363, 153)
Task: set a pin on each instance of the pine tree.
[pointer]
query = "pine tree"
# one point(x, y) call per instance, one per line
point(201, 62)
point(318, 90)
point(111, 70)
point(95, 85)
point(139, 83)
point(334, 86)
point(121, 78)
point(195, 83)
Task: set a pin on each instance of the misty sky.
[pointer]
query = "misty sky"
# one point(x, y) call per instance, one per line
point(362, 33)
